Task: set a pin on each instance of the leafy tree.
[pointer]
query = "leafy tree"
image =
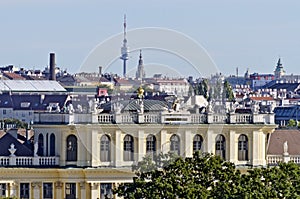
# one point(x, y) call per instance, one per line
point(208, 176)
point(203, 176)
point(217, 90)
point(281, 181)
point(292, 123)
point(15, 122)
point(228, 93)
point(203, 88)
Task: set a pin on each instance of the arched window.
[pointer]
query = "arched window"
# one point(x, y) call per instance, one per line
point(243, 148)
point(71, 148)
point(105, 148)
point(128, 148)
point(52, 145)
point(221, 146)
point(197, 143)
point(175, 144)
point(40, 151)
point(150, 144)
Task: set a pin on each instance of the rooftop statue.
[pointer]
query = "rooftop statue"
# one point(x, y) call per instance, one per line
point(176, 105)
point(285, 147)
point(210, 107)
point(140, 93)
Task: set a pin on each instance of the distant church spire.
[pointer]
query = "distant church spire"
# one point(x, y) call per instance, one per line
point(279, 72)
point(140, 73)
point(124, 49)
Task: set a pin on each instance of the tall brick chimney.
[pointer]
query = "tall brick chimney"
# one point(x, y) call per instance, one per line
point(52, 75)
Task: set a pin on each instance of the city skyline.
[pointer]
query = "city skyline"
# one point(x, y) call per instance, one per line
point(245, 35)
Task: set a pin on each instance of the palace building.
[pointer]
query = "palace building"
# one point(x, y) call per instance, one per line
point(77, 148)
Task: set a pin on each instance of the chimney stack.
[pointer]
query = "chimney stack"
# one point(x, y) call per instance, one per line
point(52, 75)
point(100, 71)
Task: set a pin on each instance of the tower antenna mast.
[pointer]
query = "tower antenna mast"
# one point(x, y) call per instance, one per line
point(124, 49)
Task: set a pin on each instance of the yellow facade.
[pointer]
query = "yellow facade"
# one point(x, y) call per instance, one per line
point(89, 175)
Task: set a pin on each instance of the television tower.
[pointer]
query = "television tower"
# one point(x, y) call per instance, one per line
point(124, 49)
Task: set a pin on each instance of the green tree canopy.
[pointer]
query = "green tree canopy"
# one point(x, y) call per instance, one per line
point(169, 176)
point(228, 91)
point(208, 176)
point(292, 123)
point(15, 122)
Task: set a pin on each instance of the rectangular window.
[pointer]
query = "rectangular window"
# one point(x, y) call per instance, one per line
point(106, 190)
point(4, 112)
point(24, 190)
point(70, 190)
point(47, 190)
point(2, 189)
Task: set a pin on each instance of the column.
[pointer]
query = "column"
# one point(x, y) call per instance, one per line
point(118, 149)
point(188, 144)
point(82, 190)
point(36, 189)
point(255, 148)
point(263, 148)
point(210, 142)
point(58, 189)
point(141, 145)
point(164, 142)
point(94, 190)
point(95, 151)
point(232, 147)
point(13, 189)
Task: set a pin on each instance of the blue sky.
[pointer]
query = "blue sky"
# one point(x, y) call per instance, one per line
point(243, 34)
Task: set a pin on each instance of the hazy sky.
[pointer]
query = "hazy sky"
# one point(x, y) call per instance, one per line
point(244, 34)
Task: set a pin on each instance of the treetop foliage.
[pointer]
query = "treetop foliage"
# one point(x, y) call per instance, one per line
point(208, 176)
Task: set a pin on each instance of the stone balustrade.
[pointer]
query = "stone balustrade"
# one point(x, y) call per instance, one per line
point(29, 161)
point(154, 118)
point(275, 159)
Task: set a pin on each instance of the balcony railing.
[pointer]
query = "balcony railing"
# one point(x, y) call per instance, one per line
point(275, 159)
point(202, 118)
point(29, 161)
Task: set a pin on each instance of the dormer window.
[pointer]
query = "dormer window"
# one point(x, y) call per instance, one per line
point(25, 104)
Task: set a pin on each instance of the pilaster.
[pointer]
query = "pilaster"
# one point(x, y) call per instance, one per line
point(232, 147)
point(58, 189)
point(165, 148)
point(188, 144)
point(36, 189)
point(210, 143)
point(95, 149)
point(94, 190)
point(82, 190)
point(118, 149)
point(141, 145)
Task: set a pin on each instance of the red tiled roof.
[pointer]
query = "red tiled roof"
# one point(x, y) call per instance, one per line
point(14, 76)
point(261, 98)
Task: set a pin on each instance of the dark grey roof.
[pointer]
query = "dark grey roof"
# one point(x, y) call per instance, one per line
point(66, 80)
point(288, 86)
point(149, 105)
point(60, 99)
point(26, 102)
point(30, 102)
point(5, 143)
point(287, 112)
point(5, 101)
